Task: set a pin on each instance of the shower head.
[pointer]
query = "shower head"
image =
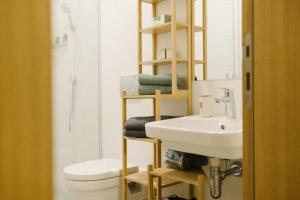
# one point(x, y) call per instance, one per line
point(67, 9)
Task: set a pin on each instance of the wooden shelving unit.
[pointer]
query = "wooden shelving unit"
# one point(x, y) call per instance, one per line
point(143, 178)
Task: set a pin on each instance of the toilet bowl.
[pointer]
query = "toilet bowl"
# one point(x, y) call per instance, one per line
point(96, 180)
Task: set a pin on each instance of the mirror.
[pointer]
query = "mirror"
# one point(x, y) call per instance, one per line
point(224, 39)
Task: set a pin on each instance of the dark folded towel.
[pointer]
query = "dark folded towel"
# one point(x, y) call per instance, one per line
point(184, 161)
point(136, 133)
point(135, 126)
point(138, 123)
point(175, 197)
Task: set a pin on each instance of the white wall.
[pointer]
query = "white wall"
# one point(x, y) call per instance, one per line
point(223, 38)
point(119, 56)
point(214, 88)
point(83, 142)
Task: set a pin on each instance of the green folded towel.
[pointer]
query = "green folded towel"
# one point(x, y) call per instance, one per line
point(150, 89)
point(147, 79)
point(161, 80)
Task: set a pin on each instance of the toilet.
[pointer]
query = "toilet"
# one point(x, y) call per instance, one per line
point(96, 180)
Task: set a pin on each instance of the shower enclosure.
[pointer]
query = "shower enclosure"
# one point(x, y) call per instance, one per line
point(75, 89)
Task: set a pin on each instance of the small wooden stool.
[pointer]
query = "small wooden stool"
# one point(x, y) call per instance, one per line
point(193, 178)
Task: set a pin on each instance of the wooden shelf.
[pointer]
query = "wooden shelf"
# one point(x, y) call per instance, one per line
point(180, 94)
point(153, 1)
point(198, 62)
point(168, 61)
point(142, 178)
point(150, 140)
point(163, 61)
point(189, 177)
point(164, 28)
point(198, 29)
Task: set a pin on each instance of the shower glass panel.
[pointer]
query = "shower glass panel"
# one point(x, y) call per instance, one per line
point(75, 72)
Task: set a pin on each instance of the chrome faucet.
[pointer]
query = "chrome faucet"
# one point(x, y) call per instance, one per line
point(229, 101)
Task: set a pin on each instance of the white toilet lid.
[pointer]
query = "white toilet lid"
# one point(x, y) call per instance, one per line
point(96, 170)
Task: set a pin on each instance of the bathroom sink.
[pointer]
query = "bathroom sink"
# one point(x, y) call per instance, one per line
point(214, 137)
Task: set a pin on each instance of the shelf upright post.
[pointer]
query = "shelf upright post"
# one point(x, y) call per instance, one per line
point(193, 38)
point(204, 13)
point(140, 37)
point(124, 147)
point(158, 154)
point(150, 183)
point(154, 40)
point(157, 147)
point(154, 50)
point(201, 182)
point(189, 54)
point(158, 189)
point(174, 46)
point(157, 105)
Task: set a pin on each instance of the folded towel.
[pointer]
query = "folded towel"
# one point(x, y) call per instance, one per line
point(150, 89)
point(184, 161)
point(175, 197)
point(146, 79)
point(136, 133)
point(161, 80)
point(138, 123)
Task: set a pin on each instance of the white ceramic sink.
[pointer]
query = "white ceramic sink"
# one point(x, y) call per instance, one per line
point(214, 137)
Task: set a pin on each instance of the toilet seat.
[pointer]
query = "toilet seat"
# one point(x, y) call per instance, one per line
point(96, 170)
point(97, 180)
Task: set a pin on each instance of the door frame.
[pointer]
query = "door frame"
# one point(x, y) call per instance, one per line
point(248, 111)
point(25, 100)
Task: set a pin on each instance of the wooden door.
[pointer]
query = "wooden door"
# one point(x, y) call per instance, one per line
point(25, 98)
point(275, 150)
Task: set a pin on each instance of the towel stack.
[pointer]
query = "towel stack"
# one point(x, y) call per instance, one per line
point(175, 197)
point(135, 126)
point(148, 84)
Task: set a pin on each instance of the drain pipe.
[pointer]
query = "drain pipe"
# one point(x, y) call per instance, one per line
point(217, 176)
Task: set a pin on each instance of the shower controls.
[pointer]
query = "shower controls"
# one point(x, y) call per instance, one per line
point(60, 40)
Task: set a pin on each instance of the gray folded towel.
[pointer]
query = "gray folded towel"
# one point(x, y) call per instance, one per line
point(147, 79)
point(161, 80)
point(150, 89)
point(138, 123)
